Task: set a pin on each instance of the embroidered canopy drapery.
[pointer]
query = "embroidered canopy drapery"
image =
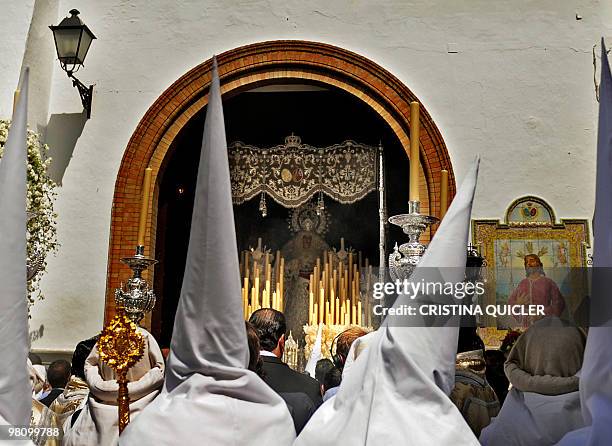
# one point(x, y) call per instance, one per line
point(292, 173)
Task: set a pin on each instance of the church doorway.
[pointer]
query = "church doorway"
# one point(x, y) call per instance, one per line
point(320, 116)
point(322, 94)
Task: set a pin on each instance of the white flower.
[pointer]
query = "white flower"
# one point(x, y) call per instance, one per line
point(40, 198)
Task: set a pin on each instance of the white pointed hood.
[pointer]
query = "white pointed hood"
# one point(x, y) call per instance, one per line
point(15, 390)
point(315, 354)
point(397, 390)
point(209, 397)
point(596, 375)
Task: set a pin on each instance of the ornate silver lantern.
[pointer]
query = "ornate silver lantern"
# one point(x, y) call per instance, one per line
point(136, 296)
point(405, 258)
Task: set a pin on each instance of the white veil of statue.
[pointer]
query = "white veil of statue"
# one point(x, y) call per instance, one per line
point(209, 397)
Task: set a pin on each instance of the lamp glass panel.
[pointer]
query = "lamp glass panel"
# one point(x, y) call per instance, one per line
point(85, 42)
point(67, 42)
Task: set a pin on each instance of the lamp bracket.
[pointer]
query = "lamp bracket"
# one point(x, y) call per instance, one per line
point(86, 93)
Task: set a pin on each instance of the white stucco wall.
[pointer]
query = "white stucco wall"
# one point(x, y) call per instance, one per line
point(14, 25)
point(519, 91)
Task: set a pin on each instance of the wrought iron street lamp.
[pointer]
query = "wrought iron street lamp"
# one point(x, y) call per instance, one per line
point(72, 41)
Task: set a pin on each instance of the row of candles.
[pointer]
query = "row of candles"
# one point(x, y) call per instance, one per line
point(262, 281)
point(335, 290)
point(415, 128)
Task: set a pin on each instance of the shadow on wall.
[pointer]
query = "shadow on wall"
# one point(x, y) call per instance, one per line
point(37, 334)
point(63, 132)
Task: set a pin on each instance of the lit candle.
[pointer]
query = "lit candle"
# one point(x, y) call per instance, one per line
point(348, 312)
point(144, 205)
point(310, 304)
point(256, 291)
point(281, 282)
point(443, 193)
point(321, 305)
point(245, 302)
point(414, 151)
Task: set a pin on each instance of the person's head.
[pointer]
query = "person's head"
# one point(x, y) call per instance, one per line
point(323, 366)
point(255, 362)
point(344, 342)
point(332, 378)
point(270, 326)
point(58, 373)
point(533, 264)
point(81, 352)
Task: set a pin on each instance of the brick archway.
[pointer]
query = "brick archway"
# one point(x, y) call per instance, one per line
point(244, 68)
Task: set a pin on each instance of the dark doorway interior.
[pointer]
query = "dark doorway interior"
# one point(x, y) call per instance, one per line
point(321, 118)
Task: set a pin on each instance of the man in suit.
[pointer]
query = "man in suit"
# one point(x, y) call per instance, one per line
point(58, 375)
point(271, 326)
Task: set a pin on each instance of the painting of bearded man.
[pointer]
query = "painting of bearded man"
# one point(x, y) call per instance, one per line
point(537, 289)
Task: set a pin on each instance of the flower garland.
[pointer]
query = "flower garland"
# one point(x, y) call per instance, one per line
point(42, 237)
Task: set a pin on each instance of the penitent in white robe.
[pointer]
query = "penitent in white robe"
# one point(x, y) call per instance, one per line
point(532, 419)
point(596, 376)
point(15, 392)
point(98, 422)
point(396, 391)
point(209, 396)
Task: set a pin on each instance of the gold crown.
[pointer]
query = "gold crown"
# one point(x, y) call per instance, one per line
point(293, 141)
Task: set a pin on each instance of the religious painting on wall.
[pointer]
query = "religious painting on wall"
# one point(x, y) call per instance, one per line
point(532, 259)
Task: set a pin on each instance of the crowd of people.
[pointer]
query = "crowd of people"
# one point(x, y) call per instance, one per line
point(541, 370)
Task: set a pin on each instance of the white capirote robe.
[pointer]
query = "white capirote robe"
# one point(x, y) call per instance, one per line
point(209, 396)
point(532, 419)
point(98, 422)
point(396, 391)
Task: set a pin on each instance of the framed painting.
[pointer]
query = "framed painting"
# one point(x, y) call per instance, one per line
point(530, 237)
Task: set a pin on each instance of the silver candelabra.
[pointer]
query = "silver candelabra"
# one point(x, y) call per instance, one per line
point(405, 258)
point(136, 296)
